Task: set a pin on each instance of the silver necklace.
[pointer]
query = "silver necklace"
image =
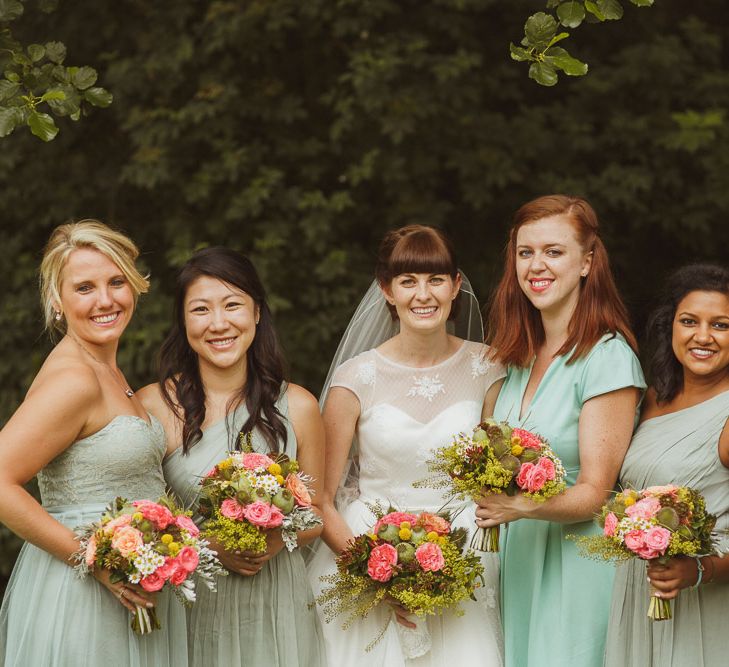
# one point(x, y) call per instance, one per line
point(124, 387)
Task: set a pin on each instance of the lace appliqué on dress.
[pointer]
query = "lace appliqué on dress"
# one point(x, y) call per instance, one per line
point(480, 365)
point(366, 373)
point(426, 386)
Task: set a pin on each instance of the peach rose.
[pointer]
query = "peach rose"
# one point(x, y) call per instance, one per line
point(127, 540)
point(382, 560)
point(252, 460)
point(298, 490)
point(430, 557)
point(118, 522)
point(434, 523)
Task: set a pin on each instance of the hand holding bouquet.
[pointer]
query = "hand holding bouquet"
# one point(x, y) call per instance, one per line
point(415, 559)
point(656, 523)
point(152, 544)
point(248, 493)
point(496, 458)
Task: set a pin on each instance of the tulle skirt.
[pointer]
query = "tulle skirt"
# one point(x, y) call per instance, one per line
point(474, 638)
point(50, 617)
point(266, 620)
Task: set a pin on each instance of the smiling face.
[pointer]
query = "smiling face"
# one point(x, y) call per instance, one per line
point(550, 263)
point(422, 300)
point(700, 337)
point(96, 298)
point(220, 321)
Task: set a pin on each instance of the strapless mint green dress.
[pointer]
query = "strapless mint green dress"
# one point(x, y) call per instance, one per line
point(50, 617)
point(266, 620)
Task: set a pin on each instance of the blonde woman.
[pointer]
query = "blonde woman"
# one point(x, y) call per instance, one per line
point(83, 432)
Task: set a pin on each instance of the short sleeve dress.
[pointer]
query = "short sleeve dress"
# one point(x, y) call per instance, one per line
point(555, 603)
point(678, 448)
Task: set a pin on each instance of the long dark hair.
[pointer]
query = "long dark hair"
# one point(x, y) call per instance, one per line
point(179, 368)
point(666, 370)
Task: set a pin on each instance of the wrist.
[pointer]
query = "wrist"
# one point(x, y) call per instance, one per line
point(699, 571)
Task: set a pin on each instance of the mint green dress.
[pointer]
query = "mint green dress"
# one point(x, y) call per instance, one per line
point(554, 603)
point(267, 620)
point(678, 448)
point(50, 617)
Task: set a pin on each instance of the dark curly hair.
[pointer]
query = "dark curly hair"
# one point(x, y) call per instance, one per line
point(666, 371)
point(179, 367)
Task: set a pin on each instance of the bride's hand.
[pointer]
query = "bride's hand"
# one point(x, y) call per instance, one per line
point(130, 596)
point(497, 508)
point(401, 613)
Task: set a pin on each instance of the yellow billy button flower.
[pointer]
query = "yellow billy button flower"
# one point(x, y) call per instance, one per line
point(279, 478)
point(372, 536)
point(167, 539)
point(629, 501)
point(405, 524)
point(174, 548)
point(224, 465)
point(405, 533)
point(137, 516)
point(517, 450)
point(442, 540)
point(274, 469)
point(432, 536)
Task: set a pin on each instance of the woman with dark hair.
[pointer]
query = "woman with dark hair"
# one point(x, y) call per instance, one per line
point(402, 385)
point(682, 439)
point(573, 377)
point(222, 377)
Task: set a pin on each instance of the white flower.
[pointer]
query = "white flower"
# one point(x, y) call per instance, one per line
point(426, 386)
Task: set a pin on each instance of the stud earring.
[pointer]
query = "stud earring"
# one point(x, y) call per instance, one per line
point(58, 315)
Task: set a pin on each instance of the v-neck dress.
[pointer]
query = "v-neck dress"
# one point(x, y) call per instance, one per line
point(554, 603)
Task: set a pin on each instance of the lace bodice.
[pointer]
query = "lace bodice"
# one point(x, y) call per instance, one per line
point(124, 458)
point(407, 412)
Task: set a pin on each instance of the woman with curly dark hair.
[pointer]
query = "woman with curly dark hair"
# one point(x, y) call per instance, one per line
point(682, 439)
point(222, 376)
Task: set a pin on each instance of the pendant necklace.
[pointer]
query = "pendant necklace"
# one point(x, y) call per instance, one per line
point(129, 393)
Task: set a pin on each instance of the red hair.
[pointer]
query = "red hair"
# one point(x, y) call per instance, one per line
point(515, 329)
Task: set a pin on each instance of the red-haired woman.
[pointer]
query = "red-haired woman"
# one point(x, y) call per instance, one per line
point(560, 327)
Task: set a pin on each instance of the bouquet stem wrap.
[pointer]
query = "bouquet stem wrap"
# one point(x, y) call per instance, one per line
point(145, 620)
point(414, 642)
point(658, 608)
point(486, 539)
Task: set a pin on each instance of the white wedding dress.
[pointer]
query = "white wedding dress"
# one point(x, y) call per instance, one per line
point(405, 414)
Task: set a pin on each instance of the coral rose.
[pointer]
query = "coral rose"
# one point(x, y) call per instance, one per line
point(434, 523)
point(611, 523)
point(152, 582)
point(644, 509)
point(395, 519)
point(430, 556)
point(298, 490)
point(536, 479)
point(188, 559)
point(127, 540)
point(528, 439)
point(186, 523)
point(382, 560)
point(252, 460)
point(521, 478)
point(658, 538)
point(547, 465)
point(232, 509)
point(179, 574)
point(157, 514)
point(168, 568)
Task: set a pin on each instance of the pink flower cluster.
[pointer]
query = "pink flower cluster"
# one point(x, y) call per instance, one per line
point(533, 476)
point(382, 563)
point(258, 513)
point(175, 570)
point(528, 439)
point(646, 542)
point(395, 519)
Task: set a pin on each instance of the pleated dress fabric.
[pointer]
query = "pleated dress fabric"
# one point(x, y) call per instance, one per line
point(50, 617)
point(555, 603)
point(679, 448)
point(267, 620)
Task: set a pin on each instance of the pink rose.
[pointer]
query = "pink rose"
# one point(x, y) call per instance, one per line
point(260, 513)
point(644, 509)
point(434, 523)
point(188, 559)
point(157, 514)
point(634, 540)
point(90, 555)
point(152, 582)
point(118, 522)
point(276, 519)
point(611, 523)
point(658, 538)
point(167, 569)
point(528, 439)
point(382, 560)
point(179, 574)
point(212, 472)
point(523, 476)
point(395, 519)
point(298, 490)
point(646, 553)
point(251, 460)
point(430, 556)
point(186, 523)
point(547, 465)
point(232, 509)
point(127, 540)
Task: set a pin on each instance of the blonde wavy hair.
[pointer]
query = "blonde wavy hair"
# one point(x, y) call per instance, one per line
point(88, 233)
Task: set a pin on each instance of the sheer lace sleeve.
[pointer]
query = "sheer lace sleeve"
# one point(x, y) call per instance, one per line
point(358, 375)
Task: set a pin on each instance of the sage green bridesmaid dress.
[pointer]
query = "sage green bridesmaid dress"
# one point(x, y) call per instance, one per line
point(679, 448)
point(50, 617)
point(267, 620)
point(555, 603)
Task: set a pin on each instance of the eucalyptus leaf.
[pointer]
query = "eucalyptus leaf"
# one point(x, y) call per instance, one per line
point(540, 28)
point(612, 10)
point(571, 14)
point(561, 59)
point(42, 125)
point(543, 73)
point(99, 97)
point(594, 10)
point(56, 52)
point(83, 77)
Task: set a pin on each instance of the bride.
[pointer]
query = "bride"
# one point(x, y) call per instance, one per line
point(417, 387)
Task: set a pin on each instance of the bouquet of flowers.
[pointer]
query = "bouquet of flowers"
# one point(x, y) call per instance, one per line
point(496, 458)
point(150, 544)
point(249, 493)
point(416, 559)
point(656, 523)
